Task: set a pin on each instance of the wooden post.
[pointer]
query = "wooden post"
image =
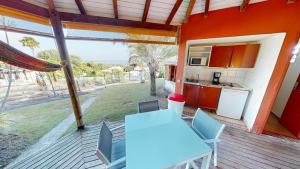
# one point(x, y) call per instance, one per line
point(65, 61)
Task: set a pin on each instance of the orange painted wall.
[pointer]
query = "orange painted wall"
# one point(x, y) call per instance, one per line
point(272, 16)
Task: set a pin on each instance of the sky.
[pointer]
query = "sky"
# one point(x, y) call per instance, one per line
point(102, 52)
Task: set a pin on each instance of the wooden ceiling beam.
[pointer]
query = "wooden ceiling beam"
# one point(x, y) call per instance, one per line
point(173, 12)
point(71, 17)
point(80, 7)
point(119, 40)
point(119, 29)
point(146, 10)
point(115, 4)
point(22, 6)
point(206, 9)
point(25, 7)
point(189, 10)
point(244, 5)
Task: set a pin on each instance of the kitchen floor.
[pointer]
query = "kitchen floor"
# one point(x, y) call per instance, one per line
point(227, 121)
point(273, 127)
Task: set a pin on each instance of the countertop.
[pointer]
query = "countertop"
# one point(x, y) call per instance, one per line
point(234, 86)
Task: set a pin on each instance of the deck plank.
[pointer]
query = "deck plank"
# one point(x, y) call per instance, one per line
point(238, 149)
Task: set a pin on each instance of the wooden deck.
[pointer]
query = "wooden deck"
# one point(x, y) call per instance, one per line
point(238, 149)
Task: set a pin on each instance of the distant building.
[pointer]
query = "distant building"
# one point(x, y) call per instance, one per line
point(170, 70)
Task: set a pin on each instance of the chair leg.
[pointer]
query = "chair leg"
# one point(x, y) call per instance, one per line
point(187, 165)
point(215, 154)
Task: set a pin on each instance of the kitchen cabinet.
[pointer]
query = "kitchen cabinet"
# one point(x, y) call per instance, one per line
point(220, 56)
point(238, 56)
point(244, 56)
point(190, 93)
point(208, 97)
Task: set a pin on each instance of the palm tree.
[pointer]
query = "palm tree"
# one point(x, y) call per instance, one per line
point(150, 55)
point(31, 43)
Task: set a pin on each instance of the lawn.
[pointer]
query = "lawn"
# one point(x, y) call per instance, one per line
point(32, 122)
point(114, 102)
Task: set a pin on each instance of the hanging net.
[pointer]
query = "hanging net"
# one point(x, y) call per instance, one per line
point(17, 58)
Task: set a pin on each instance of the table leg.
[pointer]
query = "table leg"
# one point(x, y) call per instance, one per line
point(193, 164)
point(187, 165)
point(206, 161)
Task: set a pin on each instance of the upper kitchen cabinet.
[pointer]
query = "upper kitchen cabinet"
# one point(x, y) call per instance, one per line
point(244, 56)
point(220, 56)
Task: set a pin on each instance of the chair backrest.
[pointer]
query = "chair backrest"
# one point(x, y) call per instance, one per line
point(148, 106)
point(207, 126)
point(105, 144)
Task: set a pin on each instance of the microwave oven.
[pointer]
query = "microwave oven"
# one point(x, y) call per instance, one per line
point(198, 61)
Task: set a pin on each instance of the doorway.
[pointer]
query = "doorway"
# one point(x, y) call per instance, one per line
point(285, 116)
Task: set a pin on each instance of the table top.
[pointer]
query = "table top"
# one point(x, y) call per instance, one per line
point(160, 139)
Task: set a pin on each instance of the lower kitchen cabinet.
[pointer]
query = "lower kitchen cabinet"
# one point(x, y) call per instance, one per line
point(201, 96)
point(190, 93)
point(208, 97)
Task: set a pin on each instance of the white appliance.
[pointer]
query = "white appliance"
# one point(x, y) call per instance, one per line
point(198, 61)
point(232, 103)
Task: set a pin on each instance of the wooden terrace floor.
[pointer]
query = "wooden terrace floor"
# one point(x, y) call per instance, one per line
point(238, 149)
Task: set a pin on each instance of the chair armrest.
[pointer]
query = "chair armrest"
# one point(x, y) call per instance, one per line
point(186, 117)
point(121, 160)
point(212, 141)
point(116, 128)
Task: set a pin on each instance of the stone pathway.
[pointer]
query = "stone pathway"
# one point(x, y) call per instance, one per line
point(53, 135)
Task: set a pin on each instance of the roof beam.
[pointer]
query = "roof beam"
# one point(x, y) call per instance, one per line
point(146, 10)
point(119, 40)
point(80, 7)
point(189, 10)
point(83, 19)
point(207, 2)
point(173, 12)
point(25, 7)
point(115, 4)
point(244, 5)
point(70, 17)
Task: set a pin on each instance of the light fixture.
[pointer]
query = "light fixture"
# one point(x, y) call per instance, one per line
point(295, 52)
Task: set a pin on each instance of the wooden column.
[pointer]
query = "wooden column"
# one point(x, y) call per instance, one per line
point(65, 61)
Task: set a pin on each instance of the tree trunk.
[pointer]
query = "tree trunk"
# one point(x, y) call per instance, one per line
point(51, 83)
point(152, 83)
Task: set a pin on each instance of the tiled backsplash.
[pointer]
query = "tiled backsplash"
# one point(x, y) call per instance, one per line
point(232, 75)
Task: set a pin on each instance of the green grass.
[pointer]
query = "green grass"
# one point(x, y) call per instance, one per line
point(114, 102)
point(32, 122)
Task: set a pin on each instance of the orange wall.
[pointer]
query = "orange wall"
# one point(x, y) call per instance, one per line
point(272, 16)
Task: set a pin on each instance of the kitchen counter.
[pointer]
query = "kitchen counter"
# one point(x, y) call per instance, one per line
point(221, 85)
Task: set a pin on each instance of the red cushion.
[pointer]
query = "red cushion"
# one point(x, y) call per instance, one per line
point(176, 97)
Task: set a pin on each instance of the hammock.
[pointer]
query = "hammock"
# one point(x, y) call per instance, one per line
point(17, 58)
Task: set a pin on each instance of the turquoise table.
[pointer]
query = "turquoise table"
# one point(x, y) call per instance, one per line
point(161, 139)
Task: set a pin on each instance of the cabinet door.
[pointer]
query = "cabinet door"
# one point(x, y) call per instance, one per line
point(244, 56)
point(209, 97)
point(220, 56)
point(190, 93)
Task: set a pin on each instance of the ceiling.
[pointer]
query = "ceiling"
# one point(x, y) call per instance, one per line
point(159, 10)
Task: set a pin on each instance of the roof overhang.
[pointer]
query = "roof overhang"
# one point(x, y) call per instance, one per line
point(34, 13)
